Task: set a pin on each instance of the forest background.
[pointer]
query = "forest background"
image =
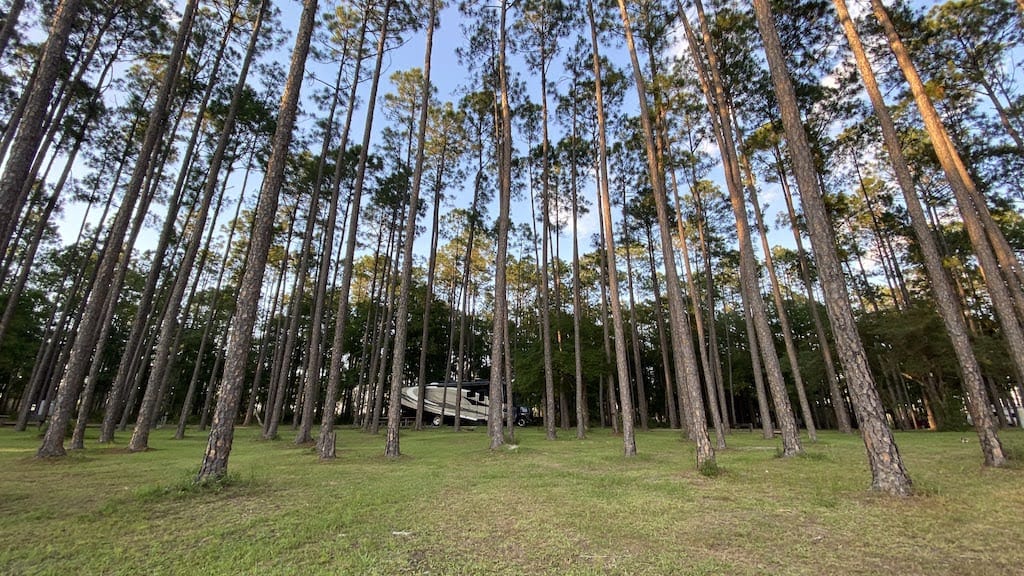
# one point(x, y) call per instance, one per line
point(196, 233)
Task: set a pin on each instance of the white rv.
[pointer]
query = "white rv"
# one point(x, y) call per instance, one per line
point(439, 400)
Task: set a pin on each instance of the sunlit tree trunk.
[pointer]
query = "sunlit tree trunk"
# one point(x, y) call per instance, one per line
point(606, 319)
point(887, 471)
point(311, 374)
point(945, 296)
point(780, 306)
point(834, 389)
point(763, 407)
point(999, 265)
point(712, 384)
point(545, 273)
point(207, 336)
point(137, 368)
point(719, 108)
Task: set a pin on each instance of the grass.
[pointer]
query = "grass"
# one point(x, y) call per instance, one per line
point(449, 506)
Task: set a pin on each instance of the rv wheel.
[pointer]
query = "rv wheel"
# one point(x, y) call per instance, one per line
point(436, 421)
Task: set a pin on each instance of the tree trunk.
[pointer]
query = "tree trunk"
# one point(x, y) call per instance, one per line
point(500, 362)
point(58, 188)
point(684, 357)
point(421, 380)
point(887, 471)
point(215, 461)
point(23, 149)
point(659, 320)
point(945, 296)
point(212, 386)
point(62, 99)
point(767, 430)
point(10, 24)
point(545, 275)
point(311, 375)
point(712, 384)
point(750, 292)
point(834, 389)
point(577, 301)
point(604, 203)
point(93, 320)
point(326, 441)
point(165, 350)
point(42, 219)
point(278, 387)
point(465, 311)
point(1000, 268)
point(315, 354)
point(378, 372)
point(208, 322)
point(606, 318)
point(634, 334)
point(780, 305)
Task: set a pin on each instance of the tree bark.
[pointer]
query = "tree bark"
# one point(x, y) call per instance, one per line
point(712, 384)
point(93, 319)
point(887, 471)
point(168, 329)
point(23, 149)
point(945, 296)
point(750, 292)
point(999, 265)
point(604, 203)
point(780, 305)
point(326, 441)
point(215, 461)
point(10, 23)
point(764, 409)
point(834, 389)
point(392, 448)
point(500, 331)
point(545, 275)
point(634, 333)
point(315, 355)
point(311, 375)
point(684, 357)
point(659, 320)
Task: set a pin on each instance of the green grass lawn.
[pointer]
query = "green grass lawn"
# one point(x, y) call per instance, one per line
point(449, 506)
